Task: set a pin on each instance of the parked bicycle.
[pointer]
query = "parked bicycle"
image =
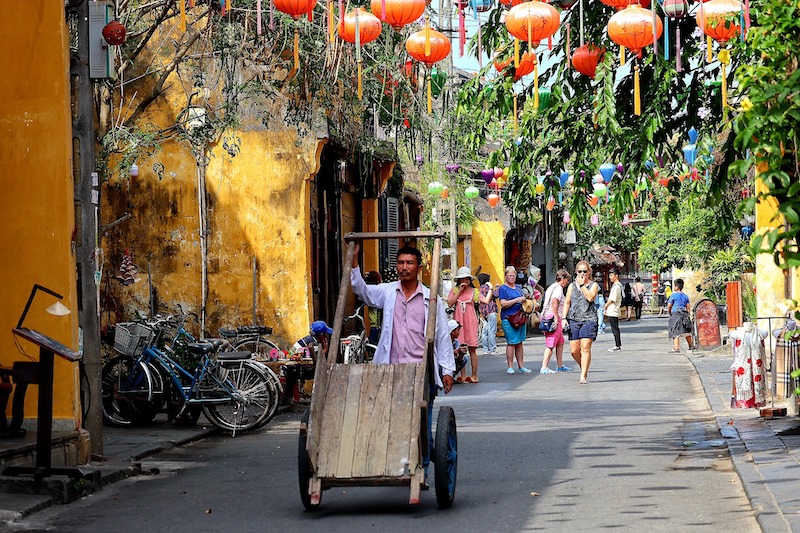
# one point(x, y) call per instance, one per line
point(250, 339)
point(355, 347)
point(234, 392)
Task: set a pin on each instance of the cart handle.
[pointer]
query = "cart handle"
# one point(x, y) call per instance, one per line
point(394, 235)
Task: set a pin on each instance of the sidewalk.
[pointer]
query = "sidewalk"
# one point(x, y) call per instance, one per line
point(767, 462)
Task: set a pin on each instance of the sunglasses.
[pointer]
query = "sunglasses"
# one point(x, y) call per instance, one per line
point(583, 271)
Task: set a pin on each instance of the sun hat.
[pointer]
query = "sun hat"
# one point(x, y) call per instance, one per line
point(452, 324)
point(320, 327)
point(464, 272)
point(527, 305)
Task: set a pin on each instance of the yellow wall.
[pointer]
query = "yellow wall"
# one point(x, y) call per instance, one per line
point(770, 280)
point(488, 249)
point(36, 205)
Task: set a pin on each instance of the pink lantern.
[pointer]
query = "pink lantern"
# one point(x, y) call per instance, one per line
point(566, 217)
point(626, 220)
point(498, 172)
point(595, 219)
point(493, 184)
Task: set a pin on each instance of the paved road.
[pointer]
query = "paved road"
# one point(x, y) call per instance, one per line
point(636, 449)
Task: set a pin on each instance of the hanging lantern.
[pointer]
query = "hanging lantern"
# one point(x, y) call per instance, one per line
point(675, 10)
point(296, 9)
point(586, 58)
point(481, 6)
point(595, 219)
point(690, 154)
point(664, 181)
point(114, 33)
point(632, 28)
point(622, 4)
point(471, 192)
point(438, 80)
point(720, 19)
point(544, 97)
point(498, 172)
point(359, 27)
point(551, 203)
point(428, 46)
point(435, 188)
point(566, 218)
point(493, 184)
point(626, 220)
point(527, 63)
point(487, 175)
point(593, 200)
point(501, 64)
point(532, 22)
point(445, 194)
point(369, 26)
point(493, 200)
point(511, 3)
point(607, 172)
point(562, 179)
point(398, 13)
point(506, 172)
point(600, 189)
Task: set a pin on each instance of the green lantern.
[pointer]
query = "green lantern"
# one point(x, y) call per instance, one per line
point(438, 79)
point(544, 98)
point(435, 188)
point(471, 192)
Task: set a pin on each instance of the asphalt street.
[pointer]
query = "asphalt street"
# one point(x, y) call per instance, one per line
point(635, 449)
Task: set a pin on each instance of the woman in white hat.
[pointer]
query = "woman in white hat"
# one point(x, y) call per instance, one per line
point(464, 296)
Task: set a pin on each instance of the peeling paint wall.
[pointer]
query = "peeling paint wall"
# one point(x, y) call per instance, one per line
point(37, 203)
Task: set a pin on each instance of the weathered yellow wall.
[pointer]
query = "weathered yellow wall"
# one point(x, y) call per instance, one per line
point(258, 206)
point(488, 249)
point(369, 221)
point(770, 280)
point(36, 205)
point(691, 279)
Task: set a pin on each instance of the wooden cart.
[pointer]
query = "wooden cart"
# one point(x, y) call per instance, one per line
point(367, 423)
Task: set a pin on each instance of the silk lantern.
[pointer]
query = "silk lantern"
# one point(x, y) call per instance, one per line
point(359, 27)
point(428, 46)
point(586, 58)
point(675, 10)
point(719, 20)
point(471, 192)
point(633, 28)
point(296, 9)
point(114, 33)
point(398, 13)
point(487, 175)
point(533, 22)
point(493, 200)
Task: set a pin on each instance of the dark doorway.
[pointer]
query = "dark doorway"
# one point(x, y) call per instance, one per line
point(326, 234)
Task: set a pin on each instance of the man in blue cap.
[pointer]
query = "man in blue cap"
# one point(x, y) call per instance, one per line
point(316, 342)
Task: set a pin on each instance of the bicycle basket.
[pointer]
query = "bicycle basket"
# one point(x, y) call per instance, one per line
point(131, 337)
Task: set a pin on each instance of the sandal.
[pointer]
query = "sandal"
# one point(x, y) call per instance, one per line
point(459, 379)
point(583, 381)
point(470, 379)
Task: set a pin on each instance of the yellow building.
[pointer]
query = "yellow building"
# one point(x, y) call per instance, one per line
point(36, 206)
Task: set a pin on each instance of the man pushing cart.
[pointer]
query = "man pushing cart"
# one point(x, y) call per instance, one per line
point(371, 424)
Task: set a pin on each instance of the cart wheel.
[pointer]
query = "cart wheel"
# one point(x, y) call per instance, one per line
point(304, 466)
point(446, 457)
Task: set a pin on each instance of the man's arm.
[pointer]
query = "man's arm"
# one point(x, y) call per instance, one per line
point(444, 347)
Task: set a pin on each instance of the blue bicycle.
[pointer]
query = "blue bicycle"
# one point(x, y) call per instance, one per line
point(234, 392)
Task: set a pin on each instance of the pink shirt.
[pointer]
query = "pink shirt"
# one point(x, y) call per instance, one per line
point(408, 327)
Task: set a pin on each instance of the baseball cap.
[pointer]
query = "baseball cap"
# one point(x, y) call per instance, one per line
point(452, 325)
point(320, 327)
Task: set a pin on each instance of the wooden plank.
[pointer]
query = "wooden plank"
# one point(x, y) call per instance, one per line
point(373, 421)
point(397, 460)
point(416, 425)
point(394, 235)
point(331, 417)
point(347, 446)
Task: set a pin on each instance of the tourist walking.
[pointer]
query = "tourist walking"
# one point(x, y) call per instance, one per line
point(511, 297)
point(612, 306)
point(627, 300)
point(599, 303)
point(463, 296)
point(553, 308)
point(637, 290)
point(488, 311)
point(680, 324)
point(582, 317)
point(662, 298)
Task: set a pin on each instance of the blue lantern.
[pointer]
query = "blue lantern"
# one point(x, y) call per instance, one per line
point(563, 178)
point(690, 153)
point(693, 135)
point(607, 171)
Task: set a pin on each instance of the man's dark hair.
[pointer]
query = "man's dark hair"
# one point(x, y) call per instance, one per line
point(638, 279)
point(613, 271)
point(409, 250)
point(678, 284)
point(483, 278)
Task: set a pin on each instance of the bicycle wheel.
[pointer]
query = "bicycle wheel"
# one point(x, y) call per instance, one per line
point(127, 392)
point(260, 347)
point(275, 392)
point(250, 402)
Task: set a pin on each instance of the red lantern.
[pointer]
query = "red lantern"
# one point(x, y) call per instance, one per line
point(501, 65)
point(719, 19)
point(532, 21)
point(622, 4)
point(527, 63)
point(398, 12)
point(510, 3)
point(369, 26)
point(438, 46)
point(114, 33)
point(586, 58)
point(295, 8)
point(632, 28)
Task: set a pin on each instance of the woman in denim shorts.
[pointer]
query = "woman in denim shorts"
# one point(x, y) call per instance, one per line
point(581, 317)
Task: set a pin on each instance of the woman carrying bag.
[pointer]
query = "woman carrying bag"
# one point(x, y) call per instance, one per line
point(464, 297)
point(514, 320)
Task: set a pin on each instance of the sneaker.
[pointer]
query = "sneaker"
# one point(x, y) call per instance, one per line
point(614, 349)
point(546, 371)
point(523, 370)
point(674, 351)
point(563, 369)
point(510, 371)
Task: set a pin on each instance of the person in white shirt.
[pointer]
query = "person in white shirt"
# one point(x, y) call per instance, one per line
point(612, 306)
